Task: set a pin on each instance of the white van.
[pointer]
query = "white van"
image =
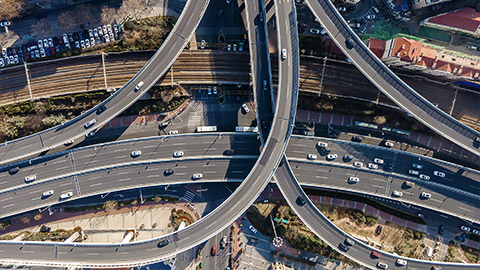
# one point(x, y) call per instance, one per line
point(139, 85)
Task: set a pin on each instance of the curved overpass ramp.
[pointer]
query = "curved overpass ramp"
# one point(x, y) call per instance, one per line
point(389, 83)
point(154, 69)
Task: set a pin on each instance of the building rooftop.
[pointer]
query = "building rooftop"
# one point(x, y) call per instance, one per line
point(467, 19)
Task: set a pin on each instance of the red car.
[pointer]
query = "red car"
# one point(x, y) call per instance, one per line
point(376, 254)
point(302, 25)
point(214, 250)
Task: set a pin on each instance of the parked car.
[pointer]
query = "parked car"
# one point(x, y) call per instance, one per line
point(332, 156)
point(397, 193)
point(372, 166)
point(357, 139)
point(426, 195)
point(417, 166)
point(252, 229)
point(322, 144)
point(312, 156)
point(439, 174)
point(358, 164)
point(314, 31)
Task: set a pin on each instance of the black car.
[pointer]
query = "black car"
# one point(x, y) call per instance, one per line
point(350, 43)
point(101, 109)
point(14, 170)
point(162, 243)
point(169, 171)
point(229, 152)
point(357, 139)
point(349, 242)
point(343, 247)
point(441, 230)
point(301, 201)
point(45, 229)
point(379, 229)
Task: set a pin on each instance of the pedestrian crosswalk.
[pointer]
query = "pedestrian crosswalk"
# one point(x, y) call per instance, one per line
point(56, 3)
point(188, 196)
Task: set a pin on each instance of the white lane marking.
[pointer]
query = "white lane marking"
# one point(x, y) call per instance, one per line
point(28, 251)
point(35, 199)
point(6, 199)
point(152, 249)
point(35, 191)
point(58, 161)
point(153, 175)
point(4, 182)
point(149, 146)
point(120, 173)
point(119, 150)
point(323, 177)
point(64, 184)
point(97, 184)
point(465, 209)
point(435, 200)
point(322, 170)
point(210, 172)
point(209, 165)
point(297, 151)
point(184, 167)
point(377, 186)
point(90, 155)
point(237, 171)
point(179, 143)
point(123, 253)
point(63, 168)
point(124, 179)
point(443, 216)
point(9, 205)
point(180, 173)
point(95, 177)
point(92, 253)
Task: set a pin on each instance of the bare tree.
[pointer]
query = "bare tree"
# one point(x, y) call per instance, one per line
point(110, 205)
point(83, 14)
point(109, 15)
point(132, 9)
point(10, 9)
point(67, 20)
point(42, 27)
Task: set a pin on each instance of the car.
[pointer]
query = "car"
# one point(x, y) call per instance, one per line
point(197, 176)
point(2, 64)
point(302, 25)
point(382, 265)
point(322, 144)
point(424, 177)
point(214, 250)
point(358, 164)
point(77, 44)
point(229, 47)
point(112, 38)
point(47, 193)
point(436, 268)
point(209, 91)
point(370, 17)
point(421, 215)
point(397, 193)
point(14, 170)
point(90, 134)
point(42, 53)
point(115, 28)
point(169, 171)
point(439, 174)
point(228, 1)
point(215, 90)
point(475, 231)
point(107, 38)
point(344, 247)
point(139, 85)
point(173, 132)
point(30, 178)
point(376, 254)
point(40, 43)
point(349, 242)
point(252, 229)
point(245, 108)
point(69, 142)
point(353, 179)
point(178, 154)
point(92, 41)
point(66, 195)
point(417, 166)
point(465, 228)
point(50, 42)
point(314, 31)
point(136, 153)
point(350, 42)
point(372, 166)
point(100, 31)
point(265, 87)
point(5, 23)
point(82, 44)
point(347, 157)
point(229, 152)
point(45, 229)
point(342, 9)
point(408, 184)
point(15, 58)
point(101, 109)
point(378, 160)
point(357, 139)
point(441, 230)
point(312, 156)
point(104, 29)
point(426, 195)
point(413, 172)
point(301, 201)
point(162, 243)
point(90, 123)
point(332, 156)
point(284, 54)
point(202, 44)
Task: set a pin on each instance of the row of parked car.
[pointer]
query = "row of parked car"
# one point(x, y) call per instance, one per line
point(51, 46)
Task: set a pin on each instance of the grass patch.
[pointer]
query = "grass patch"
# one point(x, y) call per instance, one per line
point(472, 254)
point(435, 34)
point(385, 31)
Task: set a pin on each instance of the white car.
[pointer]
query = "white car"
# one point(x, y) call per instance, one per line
point(107, 38)
point(426, 195)
point(30, 178)
point(47, 193)
point(245, 108)
point(69, 142)
point(252, 229)
point(475, 231)
point(332, 156)
point(372, 166)
point(265, 85)
point(322, 144)
point(40, 43)
point(401, 262)
point(342, 9)
point(87, 43)
point(424, 177)
point(109, 28)
point(439, 174)
point(284, 54)
point(353, 179)
point(202, 44)
point(90, 134)
point(378, 160)
point(90, 123)
point(229, 1)
point(465, 228)
point(197, 176)
point(397, 193)
point(209, 91)
point(413, 172)
point(136, 153)
point(178, 154)
point(229, 47)
point(139, 85)
point(173, 132)
point(358, 164)
point(312, 156)
point(82, 44)
point(66, 195)
point(215, 90)
point(417, 166)
point(389, 144)
point(314, 31)
point(370, 17)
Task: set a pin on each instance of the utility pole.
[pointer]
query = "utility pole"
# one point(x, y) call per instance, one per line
point(454, 100)
point(321, 79)
point(277, 241)
point(104, 71)
point(171, 73)
point(28, 80)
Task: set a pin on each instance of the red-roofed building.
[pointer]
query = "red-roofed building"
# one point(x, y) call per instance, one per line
point(465, 21)
point(377, 46)
point(331, 47)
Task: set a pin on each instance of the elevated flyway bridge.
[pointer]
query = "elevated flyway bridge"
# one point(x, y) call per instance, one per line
point(389, 83)
point(146, 252)
point(154, 69)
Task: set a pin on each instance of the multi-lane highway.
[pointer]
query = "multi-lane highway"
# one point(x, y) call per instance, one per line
point(122, 99)
point(389, 83)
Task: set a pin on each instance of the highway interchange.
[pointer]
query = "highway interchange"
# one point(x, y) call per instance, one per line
point(102, 255)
